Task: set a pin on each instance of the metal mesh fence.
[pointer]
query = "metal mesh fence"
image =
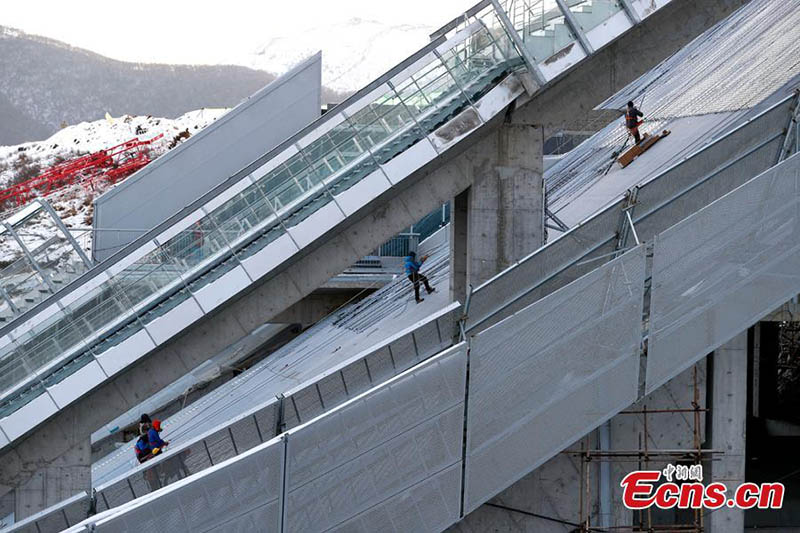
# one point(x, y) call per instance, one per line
point(388, 460)
point(358, 457)
point(663, 201)
point(720, 270)
point(300, 405)
point(247, 490)
point(56, 518)
point(552, 372)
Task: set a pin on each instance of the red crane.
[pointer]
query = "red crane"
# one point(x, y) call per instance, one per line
point(105, 166)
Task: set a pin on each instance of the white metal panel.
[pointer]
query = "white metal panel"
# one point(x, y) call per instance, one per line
point(216, 292)
point(363, 192)
point(270, 256)
point(118, 357)
point(609, 30)
point(456, 129)
point(315, 225)
point(22, 214)
point(25, 328)
point(410, 160)
point(551, 372)
point(548, 430)
point(85, 289)
point(74, 386)
point(228, 193)
point(321, 129)
point(378, 446)
point(499, 97)
point(131, 258)
point(430, 506)
point(3, 439)
point(561, 61)
point(412, 69)
point(368, 98)
point(720, 270)
point(180, 225)
point(174, 321)
point(645, 8)
point(28, 416)
point(273, 163)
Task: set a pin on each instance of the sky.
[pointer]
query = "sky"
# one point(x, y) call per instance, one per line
point(198, 32)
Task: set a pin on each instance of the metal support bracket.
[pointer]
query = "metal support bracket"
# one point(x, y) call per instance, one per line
point(462, 323)
point(559, 223)
point(626, 226)
point(633, 228)
point(575, 26)
point(791, 128)
point(530, 61)
point(60, 223)
point(633, 16)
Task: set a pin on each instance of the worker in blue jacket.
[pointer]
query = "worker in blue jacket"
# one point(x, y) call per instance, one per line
point(412, 267)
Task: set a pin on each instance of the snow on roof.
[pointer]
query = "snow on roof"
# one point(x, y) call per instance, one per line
point(730, 68)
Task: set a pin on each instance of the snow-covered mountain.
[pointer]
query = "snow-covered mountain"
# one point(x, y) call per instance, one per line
point(354, 52)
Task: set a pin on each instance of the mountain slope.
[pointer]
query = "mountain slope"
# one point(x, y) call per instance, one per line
point(46, 83)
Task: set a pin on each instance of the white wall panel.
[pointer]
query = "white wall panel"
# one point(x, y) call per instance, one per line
point(216, 292)
point(604, 33)
point(718, 271)
point(560, 62)
point(407, 162)
point(28, 416)
point(174, 320)
point(270, 256)
point(74, 386)
point(118, 357)
point(378, 446)
point(363, 192)
point(315, 225)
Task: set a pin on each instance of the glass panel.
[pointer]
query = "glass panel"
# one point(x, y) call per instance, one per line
point(592, 13)
point(292, 191)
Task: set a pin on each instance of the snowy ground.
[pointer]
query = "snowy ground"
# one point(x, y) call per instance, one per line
point(74, 204)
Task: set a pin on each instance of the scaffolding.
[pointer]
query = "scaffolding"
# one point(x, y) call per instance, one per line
point(644, 457)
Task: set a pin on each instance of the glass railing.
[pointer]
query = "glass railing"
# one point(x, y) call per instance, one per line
point(273, 199)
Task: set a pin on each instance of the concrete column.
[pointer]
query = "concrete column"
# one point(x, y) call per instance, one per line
point(728, 418)
point(503, 212)
point(505, 218)
point(46, 484)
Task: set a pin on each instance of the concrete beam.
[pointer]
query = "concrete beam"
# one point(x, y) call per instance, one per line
point(319, 304)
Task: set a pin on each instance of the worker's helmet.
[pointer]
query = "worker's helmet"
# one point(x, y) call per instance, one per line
point(412, 254)
point(157, 425)
point(630, 104)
